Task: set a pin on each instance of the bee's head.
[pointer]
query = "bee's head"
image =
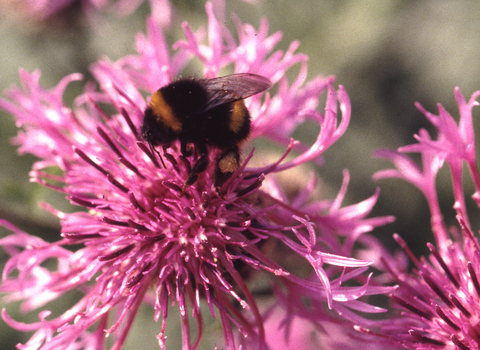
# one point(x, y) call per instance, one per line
point(154, 131)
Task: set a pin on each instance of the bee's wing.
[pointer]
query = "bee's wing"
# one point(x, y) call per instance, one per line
point(233, 87)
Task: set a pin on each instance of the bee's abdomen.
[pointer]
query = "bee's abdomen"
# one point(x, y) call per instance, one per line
point(229, 124)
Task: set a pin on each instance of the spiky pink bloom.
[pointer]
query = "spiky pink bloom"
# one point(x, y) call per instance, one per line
point(441, 298)
point(140, 239)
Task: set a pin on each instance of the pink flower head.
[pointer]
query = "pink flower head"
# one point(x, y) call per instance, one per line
point(440, 299)
point(141, 239)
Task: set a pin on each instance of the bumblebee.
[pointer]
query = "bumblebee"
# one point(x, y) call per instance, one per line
point(203, 113)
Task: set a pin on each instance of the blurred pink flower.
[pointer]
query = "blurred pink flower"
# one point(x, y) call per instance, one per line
point(141, 233)
point(287, 332)
point(43, 10)
point(441, 297)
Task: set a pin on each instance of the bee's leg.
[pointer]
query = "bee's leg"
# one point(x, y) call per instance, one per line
point(227, 163)
point(199, 167)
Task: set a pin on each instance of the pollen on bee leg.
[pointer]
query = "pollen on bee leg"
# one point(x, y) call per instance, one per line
point(228, 163)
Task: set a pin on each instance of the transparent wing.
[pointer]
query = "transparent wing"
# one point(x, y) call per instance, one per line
point(234, 87)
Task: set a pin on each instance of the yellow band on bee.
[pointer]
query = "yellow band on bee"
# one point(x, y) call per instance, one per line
point(162, 110)
point(239, 114)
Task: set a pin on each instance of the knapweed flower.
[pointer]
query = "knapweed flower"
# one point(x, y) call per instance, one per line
point(141, 238)
point(441, 298)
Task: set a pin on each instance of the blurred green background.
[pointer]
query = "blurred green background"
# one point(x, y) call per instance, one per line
point(387, 54)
